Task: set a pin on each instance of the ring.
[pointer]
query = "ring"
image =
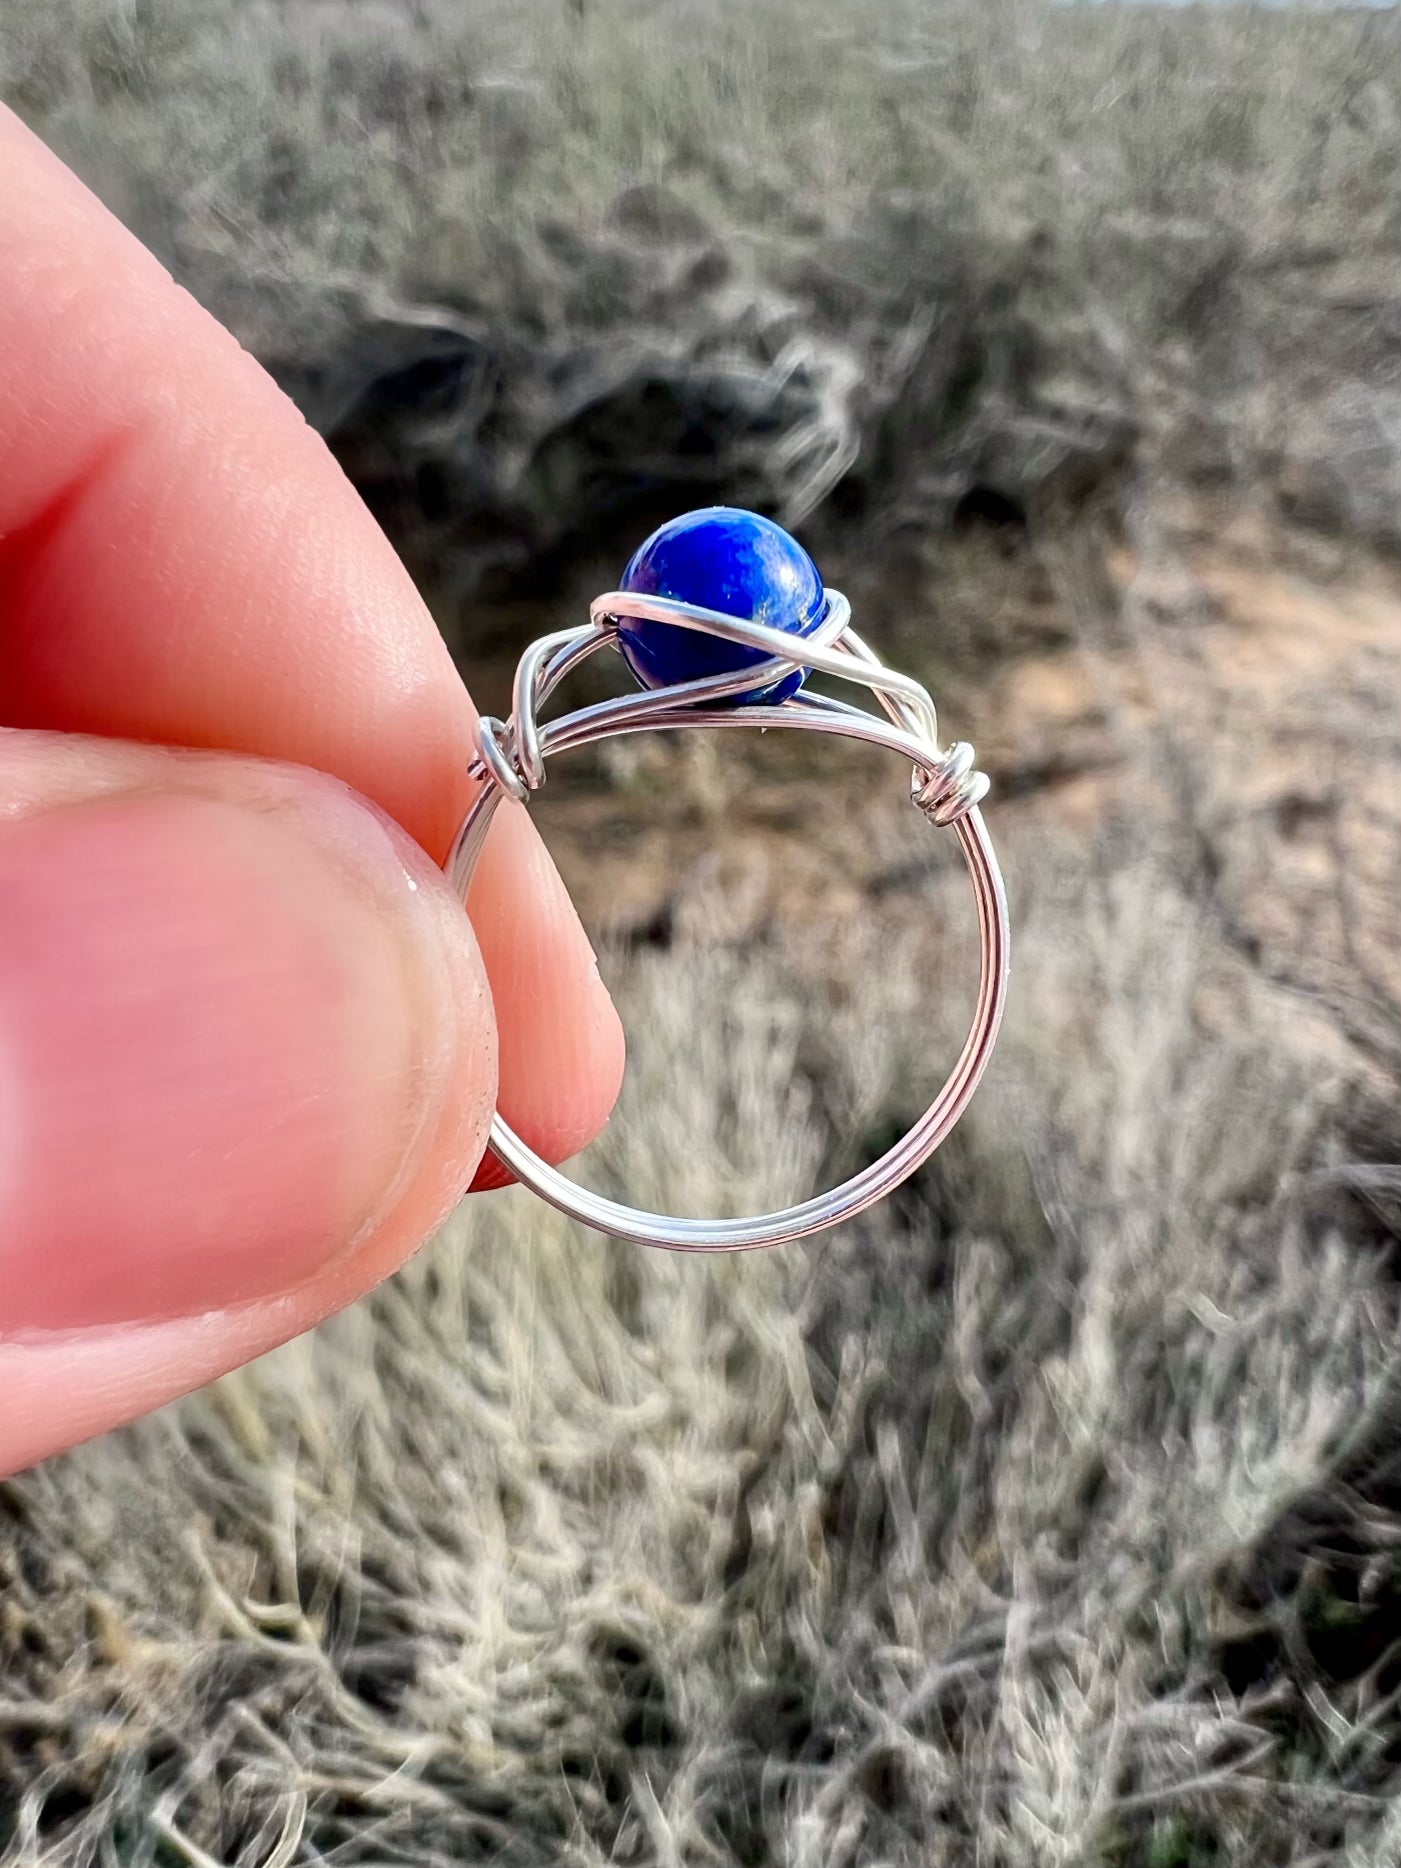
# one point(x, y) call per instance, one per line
point(710, 617)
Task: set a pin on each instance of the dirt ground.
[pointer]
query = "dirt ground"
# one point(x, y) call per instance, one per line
point(1227, 690)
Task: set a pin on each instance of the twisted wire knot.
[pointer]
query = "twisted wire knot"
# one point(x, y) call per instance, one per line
point(499, 760)
point(951, 789)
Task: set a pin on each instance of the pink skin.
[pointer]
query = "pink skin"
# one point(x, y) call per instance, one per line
point(248, 1041)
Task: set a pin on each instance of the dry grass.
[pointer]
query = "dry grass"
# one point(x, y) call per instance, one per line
point(778, 250)
point(972, 1535)
point(1050, 1513)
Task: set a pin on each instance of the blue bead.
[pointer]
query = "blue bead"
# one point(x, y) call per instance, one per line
point(721, 559)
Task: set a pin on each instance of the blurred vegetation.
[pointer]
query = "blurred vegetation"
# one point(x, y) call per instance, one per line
point(540, 269)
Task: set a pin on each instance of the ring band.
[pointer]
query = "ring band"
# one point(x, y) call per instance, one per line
point(510, 762)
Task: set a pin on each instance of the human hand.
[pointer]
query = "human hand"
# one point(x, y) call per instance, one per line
point(248, 1051)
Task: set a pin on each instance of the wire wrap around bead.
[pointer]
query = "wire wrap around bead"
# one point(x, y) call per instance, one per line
point(944, 785)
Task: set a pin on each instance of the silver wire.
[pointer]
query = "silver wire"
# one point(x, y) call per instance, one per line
point(510, 762)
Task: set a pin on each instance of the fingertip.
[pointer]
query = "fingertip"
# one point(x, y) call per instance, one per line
point(563, 1050)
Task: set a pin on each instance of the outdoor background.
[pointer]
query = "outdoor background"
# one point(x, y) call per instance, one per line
point(1051, 1513)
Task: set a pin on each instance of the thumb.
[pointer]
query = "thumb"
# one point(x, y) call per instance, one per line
point(247, 1062)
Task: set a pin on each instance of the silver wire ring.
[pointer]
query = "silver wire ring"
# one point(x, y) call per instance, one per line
point(511, 760)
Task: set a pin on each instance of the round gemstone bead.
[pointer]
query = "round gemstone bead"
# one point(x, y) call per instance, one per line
point(724, 559)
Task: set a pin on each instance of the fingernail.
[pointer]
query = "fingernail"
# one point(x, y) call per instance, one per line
point(229, 1026)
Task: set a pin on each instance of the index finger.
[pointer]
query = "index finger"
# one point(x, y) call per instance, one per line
point(182, 561)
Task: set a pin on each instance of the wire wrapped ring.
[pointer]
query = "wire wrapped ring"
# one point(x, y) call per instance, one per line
point(944, 785)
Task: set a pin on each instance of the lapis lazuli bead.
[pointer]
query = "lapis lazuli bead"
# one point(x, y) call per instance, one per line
point(719, 558)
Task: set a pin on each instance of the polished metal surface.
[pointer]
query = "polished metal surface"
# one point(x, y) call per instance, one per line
point(511, 759)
